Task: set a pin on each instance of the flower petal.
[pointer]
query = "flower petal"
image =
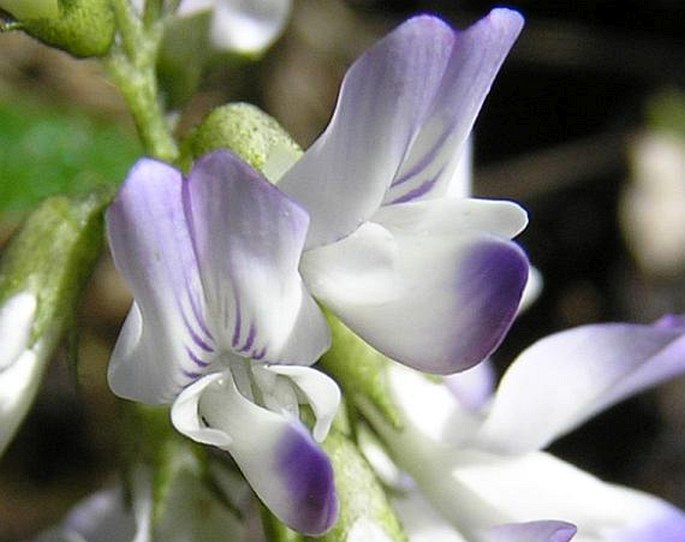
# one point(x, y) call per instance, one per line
point(16, 323)
point(248, 238)
point(564, 379)
point(248, 27)
point(342, 179)
point(473, 387)
point(445, 216)
point(536, 486)
point(165, 342)
point(533, 531)
point(478, 490)
point(280, 460)
point(320, 392)
point(436, 152)
point(460, 185)
point(20, 367)
point(438, 303)
point(421, 522)
point(102, 516)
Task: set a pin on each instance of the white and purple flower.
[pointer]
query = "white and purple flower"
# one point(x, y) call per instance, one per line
point(481, 466)
point(212, 263)
point(224, 267)
point(395, 248)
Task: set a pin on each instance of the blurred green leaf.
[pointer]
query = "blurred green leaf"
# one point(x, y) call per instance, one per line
point(46, 151)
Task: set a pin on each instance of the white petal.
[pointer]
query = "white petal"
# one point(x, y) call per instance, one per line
point(278, 457)
point(439, 303)
point(16, 323)
point(492, 489)
point(248, 237)
point(164, 343)
point(342, 179)
point(436, 152)
point(447, 216)
point(421, 522)
point(461, 183)
point(564, 379)
point(21, 368)
point(320, 392)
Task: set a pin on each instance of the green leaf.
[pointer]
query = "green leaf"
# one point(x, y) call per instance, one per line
point(46, 151)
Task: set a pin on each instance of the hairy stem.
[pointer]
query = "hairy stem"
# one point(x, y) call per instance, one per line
point(131, 65)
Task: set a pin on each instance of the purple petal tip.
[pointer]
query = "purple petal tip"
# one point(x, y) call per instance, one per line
point(496, 273)
point(309, 478)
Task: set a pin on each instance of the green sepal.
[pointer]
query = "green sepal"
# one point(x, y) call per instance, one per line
point(247, 131)
point(83, 28)
point(360, 370)
point(52, 256)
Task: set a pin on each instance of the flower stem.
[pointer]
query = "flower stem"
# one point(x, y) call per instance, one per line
point(132, 67)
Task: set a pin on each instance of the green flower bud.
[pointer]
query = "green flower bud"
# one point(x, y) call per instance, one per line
point(247, 131)
point(42, 273)
point(81, 27)
point(31, 9)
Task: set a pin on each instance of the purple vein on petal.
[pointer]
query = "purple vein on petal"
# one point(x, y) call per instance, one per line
point(419, 191)
point(249, 341)
point(425, 161)
point(195, 359)
point(238, 321)
point(197, 340)
point(259, 354)
point(198, 314)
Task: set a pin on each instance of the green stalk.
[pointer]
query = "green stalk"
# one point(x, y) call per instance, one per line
point(132, 66)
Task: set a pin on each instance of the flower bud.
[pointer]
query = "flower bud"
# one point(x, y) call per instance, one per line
point(42, 273)
point(250, 133)
point(81, 27)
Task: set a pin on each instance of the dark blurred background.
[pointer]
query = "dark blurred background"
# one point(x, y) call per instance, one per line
point(590, 89)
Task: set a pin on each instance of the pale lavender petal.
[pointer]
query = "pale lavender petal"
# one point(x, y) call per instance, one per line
point(473, 387)
point(102, 517)
point(436, 303)
point(342, 179)
point(248, 237)
point(564, 379)
point(478, 490)
point(475, 58)
point(165, 342)
point(279, 458)
point(533, 531)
